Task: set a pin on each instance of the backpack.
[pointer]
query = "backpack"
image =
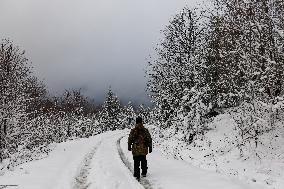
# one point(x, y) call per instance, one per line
point(140, 138)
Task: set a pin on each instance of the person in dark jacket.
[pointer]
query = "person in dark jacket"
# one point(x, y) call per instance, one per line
point(140, 143)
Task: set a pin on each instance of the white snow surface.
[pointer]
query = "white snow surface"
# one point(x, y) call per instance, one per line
point(260, 167)
point(103, 162)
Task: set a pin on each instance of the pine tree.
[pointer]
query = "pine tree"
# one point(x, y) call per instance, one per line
point(144, 112)
point(129, 114)
point(109, 116)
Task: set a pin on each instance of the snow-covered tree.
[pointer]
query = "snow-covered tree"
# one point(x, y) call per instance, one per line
point(245, 51)
point(230, 55)
point(245, 61)
point(110, 114)
point(20, 95)
point(175, 67)
point(14, 70)
point(144, 112)
point(128, 115)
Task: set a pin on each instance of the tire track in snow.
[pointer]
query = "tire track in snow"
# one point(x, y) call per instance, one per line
point(82, 176)
point(143, 181)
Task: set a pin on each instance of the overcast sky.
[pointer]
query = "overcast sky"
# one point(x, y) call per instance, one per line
point(89, 44)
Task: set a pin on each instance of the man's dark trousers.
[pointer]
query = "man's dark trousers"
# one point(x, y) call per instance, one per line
point(137, 160)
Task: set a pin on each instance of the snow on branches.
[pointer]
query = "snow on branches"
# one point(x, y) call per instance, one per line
point(226, 56)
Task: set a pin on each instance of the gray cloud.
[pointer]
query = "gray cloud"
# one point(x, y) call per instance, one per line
point(90, 44)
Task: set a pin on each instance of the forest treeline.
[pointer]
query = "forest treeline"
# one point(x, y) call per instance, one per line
point(227, 55)
point(31, 118)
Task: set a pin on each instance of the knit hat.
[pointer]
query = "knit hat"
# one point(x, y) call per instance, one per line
point(138, 120)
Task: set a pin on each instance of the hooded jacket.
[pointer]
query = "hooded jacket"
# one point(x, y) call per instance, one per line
point(139, 140)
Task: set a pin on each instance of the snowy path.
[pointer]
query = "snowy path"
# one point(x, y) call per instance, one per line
point(81, 177)
point(108, 170)
point(103, 162)
point(167, 173)
point(64, 168)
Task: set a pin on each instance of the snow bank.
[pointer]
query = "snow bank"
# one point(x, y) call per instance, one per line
point(217, 150)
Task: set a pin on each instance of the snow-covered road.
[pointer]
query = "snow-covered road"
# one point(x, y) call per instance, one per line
point(103, 162)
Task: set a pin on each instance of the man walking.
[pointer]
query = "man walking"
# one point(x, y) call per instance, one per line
point(139, 142)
